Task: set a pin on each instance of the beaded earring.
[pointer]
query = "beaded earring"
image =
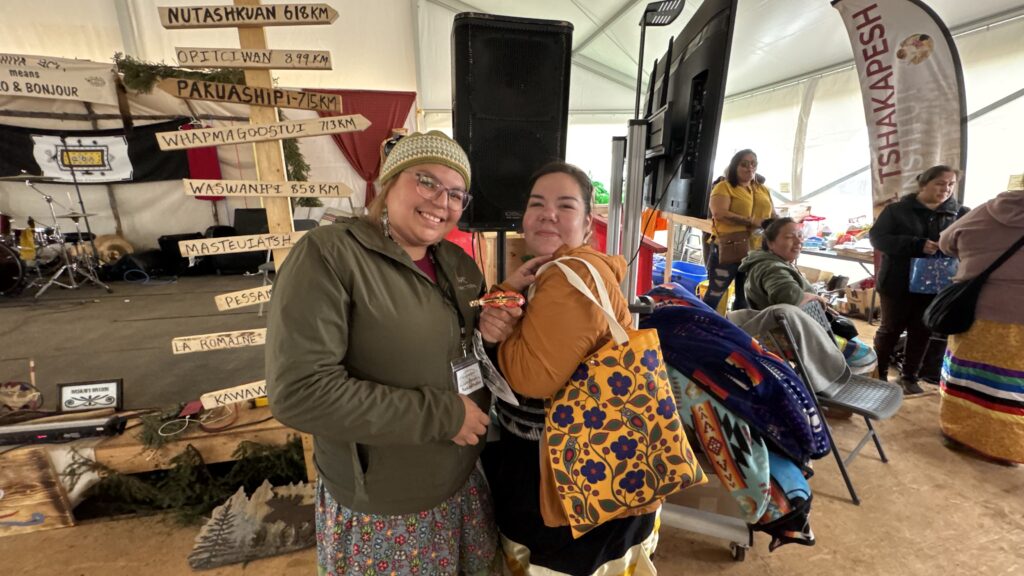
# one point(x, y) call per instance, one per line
point(385, 223)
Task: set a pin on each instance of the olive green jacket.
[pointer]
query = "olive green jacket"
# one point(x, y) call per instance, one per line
point(771, 280)
point(358, 353)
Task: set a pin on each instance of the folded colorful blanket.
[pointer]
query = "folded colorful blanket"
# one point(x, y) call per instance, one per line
point(733, 368)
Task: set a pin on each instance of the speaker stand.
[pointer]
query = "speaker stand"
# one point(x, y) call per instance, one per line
point(613, 246)
point(634, 203)
point(499, 249)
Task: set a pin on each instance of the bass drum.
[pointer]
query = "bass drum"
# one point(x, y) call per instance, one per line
point(12, 273)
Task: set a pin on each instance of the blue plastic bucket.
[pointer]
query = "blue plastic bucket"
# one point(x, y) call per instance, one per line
point(687, 274)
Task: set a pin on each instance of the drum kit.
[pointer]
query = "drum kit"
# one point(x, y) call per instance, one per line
point(38, 256)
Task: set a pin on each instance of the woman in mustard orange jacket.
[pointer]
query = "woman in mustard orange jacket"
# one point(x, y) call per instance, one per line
point(559, 329)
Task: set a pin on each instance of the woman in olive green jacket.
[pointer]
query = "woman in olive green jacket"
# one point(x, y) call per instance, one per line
point(771, 274)
point(773, 278)
point(366, 318)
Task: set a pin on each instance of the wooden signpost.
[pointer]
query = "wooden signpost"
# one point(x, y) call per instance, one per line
point(247, 14)
point(238, 244)
point(203, 137)
point(222, 92)
point(227, 396)
point(219, 341)
point(243, 298)
point(249, 17)
point(266, 189)
point(258, 59)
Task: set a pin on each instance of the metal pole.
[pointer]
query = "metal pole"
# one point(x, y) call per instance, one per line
point(81, 204)
point(614, 243)
point(640, 67)
point(634, 203)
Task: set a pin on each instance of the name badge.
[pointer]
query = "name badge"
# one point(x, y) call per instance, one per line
point(467, 375)
point(492, 376)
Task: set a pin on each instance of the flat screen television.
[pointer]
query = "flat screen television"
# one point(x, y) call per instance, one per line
point(684, 109)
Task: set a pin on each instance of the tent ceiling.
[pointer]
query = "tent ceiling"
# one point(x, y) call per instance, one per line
point(773, 40)
point(406, 44)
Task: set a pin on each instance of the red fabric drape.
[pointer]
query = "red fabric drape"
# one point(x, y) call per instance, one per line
point(203, 164)
point(385, 111)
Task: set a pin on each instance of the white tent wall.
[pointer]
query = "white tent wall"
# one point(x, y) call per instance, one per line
point(434, 61)
point(371, 43)
point(993, 69)
point(765, 124)
point(84, 29)
point(837, 144)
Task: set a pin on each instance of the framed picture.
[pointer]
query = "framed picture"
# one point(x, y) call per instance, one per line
point(78, 396)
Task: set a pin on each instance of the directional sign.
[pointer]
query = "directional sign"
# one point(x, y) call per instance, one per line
point(243, 298)
point(219, 341)
point(59, 78)
point(245, 16)
point(251, 95)
point(237, 244)
point(227, 396)
point(266, 189)
point(262, 59)
point(1016, 182)
point(202, 137)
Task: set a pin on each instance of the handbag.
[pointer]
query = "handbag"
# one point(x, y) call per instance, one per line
point(952, 310)
point(930, 275)
point(733, 247)
point(842, 326)
point(613, 439)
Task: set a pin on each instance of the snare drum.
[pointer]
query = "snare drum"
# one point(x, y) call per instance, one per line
point(12, 273)
point(43, 236)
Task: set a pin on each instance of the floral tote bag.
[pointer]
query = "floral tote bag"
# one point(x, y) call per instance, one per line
point(614, 440)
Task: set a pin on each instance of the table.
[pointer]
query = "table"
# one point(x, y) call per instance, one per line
point(688, 221)
point(127, 455)
point(860, 257)
point(36, 499)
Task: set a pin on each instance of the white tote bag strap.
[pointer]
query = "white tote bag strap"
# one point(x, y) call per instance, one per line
point(618, 332)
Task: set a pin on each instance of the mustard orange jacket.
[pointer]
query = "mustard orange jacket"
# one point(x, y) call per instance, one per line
point(560, 328)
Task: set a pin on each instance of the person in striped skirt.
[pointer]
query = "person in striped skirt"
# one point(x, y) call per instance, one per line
point(982, 388)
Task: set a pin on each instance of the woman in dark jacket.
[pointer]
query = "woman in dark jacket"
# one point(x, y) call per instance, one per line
point(905, 230)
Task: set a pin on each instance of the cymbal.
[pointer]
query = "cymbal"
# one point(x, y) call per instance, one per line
point(26, 177)
point(76, 215)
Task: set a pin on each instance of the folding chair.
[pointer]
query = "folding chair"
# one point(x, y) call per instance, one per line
point(870, 398)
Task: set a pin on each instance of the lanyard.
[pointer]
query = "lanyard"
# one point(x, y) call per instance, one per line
point(449, 293)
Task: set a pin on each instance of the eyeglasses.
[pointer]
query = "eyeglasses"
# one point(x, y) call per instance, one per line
point(749, 163)
point(430, 188)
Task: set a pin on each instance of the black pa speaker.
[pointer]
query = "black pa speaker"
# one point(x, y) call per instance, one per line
point(510, 108)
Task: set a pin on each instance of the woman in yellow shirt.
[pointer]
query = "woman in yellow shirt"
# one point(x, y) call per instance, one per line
point(739, 204)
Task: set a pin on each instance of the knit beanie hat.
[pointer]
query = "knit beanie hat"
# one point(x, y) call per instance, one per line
point(434, 147)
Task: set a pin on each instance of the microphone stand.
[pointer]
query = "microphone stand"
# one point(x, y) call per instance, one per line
point(81, 204)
